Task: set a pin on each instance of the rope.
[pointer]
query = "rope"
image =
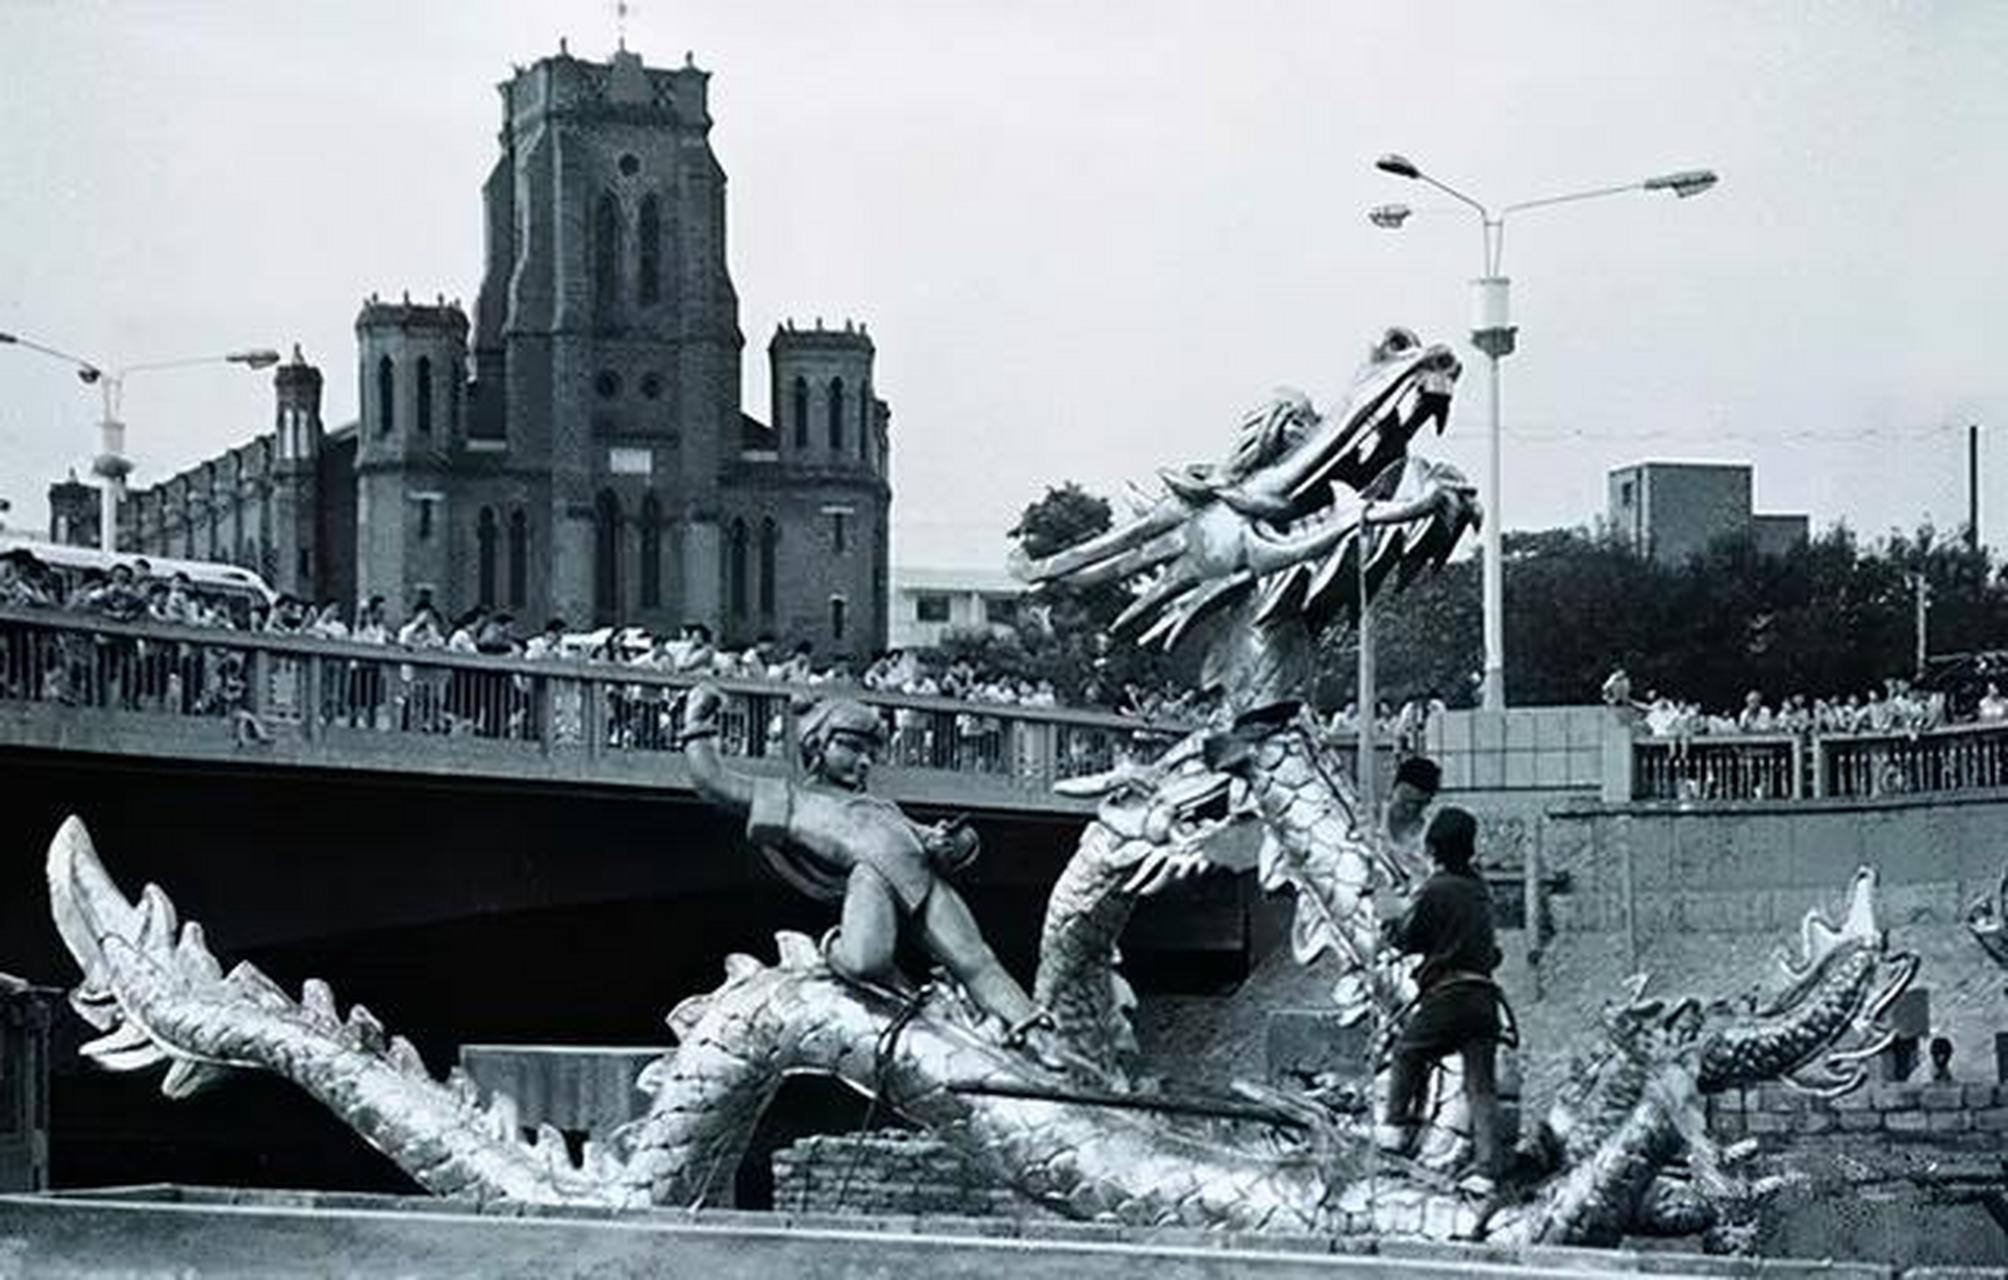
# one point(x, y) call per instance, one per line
point(884, 1051)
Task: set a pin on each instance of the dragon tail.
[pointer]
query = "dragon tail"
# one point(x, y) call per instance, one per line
point(152, 987)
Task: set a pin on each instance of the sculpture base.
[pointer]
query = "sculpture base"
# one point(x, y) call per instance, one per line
point(206, 1231)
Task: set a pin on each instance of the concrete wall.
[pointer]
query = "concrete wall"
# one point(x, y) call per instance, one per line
point(1703, 897)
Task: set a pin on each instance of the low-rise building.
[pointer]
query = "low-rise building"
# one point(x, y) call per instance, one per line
point(927, 604)
point(1670, 511)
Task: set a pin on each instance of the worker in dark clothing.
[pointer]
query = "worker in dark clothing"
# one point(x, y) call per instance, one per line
point(1449, 924)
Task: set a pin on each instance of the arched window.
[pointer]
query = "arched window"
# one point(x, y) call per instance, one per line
point(865, 420)
point(735, 570)
point(801, 407)
point(386, 396)
point(838, 607)
point(836, 415)
point(770, 541)
point(425, 398)
point(607, 558)
point(519, 558)
point(454, 379)
point(650, 251)
point(484, 542)
point(651, 552)
point(607, 250)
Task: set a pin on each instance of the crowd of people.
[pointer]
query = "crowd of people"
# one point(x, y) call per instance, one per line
point(131, 592)
point(1406, 727)
point(1897, 707)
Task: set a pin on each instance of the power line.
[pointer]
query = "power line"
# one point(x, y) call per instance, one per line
point(1689, 435)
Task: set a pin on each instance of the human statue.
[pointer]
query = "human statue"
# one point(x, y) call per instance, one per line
point(828, 837)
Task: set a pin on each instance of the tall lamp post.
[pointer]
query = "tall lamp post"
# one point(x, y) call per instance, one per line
point(1492, 332)
point(112, 465)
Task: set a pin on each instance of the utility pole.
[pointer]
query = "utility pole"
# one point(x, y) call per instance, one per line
point(1973, 486)
point(1366, 694)
point(1923, 608)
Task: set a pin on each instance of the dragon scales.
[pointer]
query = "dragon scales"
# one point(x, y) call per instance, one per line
point(1305, 519)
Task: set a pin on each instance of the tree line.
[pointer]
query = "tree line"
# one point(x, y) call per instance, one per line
point(1831, 616)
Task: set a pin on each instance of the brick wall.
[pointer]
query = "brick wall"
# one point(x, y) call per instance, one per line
point(888, 1172)
point(1953, 1115)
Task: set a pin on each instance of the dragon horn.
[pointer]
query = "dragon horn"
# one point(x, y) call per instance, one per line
point(1100, 547)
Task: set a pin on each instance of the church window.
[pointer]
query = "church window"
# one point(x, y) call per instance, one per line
point(801, 408)
point(735, 569)
point(864, 420)
point(838, 607)
point(606, 558)
point(770, 541)
point(651, 386)
point(519, 558)
point(651, 250)
point(424, 519)
point(836, 415)
point(840, 532)
point(630, 165)
point(386, 396)
point(453, 383)
point(425, 395)
point(484, 541)
point(607, 250)
point(651, 552)
point(607, 383)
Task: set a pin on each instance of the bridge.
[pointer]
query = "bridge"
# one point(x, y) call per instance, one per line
point(82, 684)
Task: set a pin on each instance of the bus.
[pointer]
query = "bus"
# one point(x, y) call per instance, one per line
point(239, 588)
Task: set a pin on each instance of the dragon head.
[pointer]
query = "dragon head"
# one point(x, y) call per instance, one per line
point(1284, 518)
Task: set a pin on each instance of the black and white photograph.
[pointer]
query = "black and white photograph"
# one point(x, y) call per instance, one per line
point(972, 638)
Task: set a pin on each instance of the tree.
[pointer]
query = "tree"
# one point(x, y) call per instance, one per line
point(1066, 516)
point(1064, 638)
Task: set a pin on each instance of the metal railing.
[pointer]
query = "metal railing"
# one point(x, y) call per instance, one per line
point(261, 687)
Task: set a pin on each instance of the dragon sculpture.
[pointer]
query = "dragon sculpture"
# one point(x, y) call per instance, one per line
point(1303, 522)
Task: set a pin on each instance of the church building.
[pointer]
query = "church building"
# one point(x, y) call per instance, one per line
point(576, 447)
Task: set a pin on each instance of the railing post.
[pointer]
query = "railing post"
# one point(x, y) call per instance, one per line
point(593, 716)
point(544, 705)
point(255, 693)
point(310, 698)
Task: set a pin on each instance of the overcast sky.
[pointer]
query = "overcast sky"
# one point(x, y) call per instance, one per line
point(1085, 235)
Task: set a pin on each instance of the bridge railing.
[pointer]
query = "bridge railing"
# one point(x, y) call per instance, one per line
point(260, 687)
point(1953, 758)
point(1739, 767)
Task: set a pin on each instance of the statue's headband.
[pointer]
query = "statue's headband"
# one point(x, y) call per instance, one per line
point(839, 715)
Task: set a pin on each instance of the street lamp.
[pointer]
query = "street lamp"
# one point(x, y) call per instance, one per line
point(111, 465)
point(1492, 332)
